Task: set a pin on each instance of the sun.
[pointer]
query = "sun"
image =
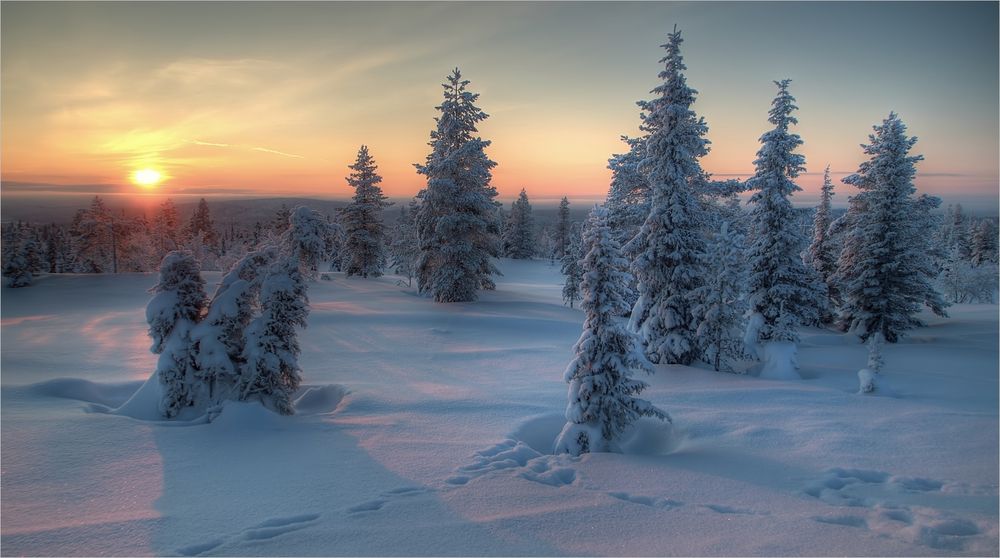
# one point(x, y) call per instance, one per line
point(147, 178)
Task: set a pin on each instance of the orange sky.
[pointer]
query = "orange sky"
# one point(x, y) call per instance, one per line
point(263, 99)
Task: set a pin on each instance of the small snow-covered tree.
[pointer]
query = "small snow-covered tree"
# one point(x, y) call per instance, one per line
point(667, 248)
point(572, 269)
point(365, 244)
point(885, 271)
point(202, 228)
point(602, 392)
point(718, 307)
point(963, 282)
point(17, 270)
point(280, 222)
point(307, 239)
point(955, 234)
point(562, 232)
point(822, 253)
point(219, 337)
point(519, 238)
point(166, 228)
point(984, 242)
point(782, 291)
point(175, 309)
point(271, 346)
point(405, 248)
point(457, 222)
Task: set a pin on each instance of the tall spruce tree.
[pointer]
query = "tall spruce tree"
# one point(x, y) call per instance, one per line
point(365, 245)
point(667, 248)
point(822, 253)
point(457, 222)
point(782, 292)
point(602, 392)
point(562, 229)
point(519, 240)
point(885, 270)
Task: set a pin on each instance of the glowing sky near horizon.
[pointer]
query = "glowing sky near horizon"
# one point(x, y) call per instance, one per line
point(274, 99)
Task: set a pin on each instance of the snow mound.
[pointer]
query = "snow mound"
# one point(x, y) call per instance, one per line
point(650, 436)
point(248, 415)
point(144, 403)
point(539, 432)
point(647, 436)
point(778, 361)
point(320, 399)
point(106, 395)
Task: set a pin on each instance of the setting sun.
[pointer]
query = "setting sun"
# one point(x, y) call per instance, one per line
point(147, 178)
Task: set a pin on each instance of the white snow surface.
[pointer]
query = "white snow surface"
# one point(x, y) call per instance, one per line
point(427, 429)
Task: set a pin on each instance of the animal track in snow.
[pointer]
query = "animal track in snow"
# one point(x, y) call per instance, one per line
point(665, 503)
point(267, 529)
point(386, 497)
point(540, 471)
point(729, 509)
point(880, 499)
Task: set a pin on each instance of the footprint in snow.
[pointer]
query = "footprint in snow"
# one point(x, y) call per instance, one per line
point(717, 508)
point(267, 529)
point(541, 472)
point(880, 498)
point(665, 503)
point(387, 496)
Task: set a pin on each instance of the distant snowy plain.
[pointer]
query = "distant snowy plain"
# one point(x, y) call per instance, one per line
point(426, 429)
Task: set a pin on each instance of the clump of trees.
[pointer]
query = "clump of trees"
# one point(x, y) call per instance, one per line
point(240, 344)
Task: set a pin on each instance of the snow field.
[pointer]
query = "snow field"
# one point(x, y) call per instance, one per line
point(427, 428)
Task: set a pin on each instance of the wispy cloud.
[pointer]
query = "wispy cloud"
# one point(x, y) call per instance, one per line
point(211, 144)
point(276, 152)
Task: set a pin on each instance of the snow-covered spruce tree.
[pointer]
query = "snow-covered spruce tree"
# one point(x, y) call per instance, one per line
point(457, 222)
point(280, 222)
point(955, 233)
point(271, 374)
point(718, 310)
point(781, 291)
point(667, 248)
point(519, 238)
point(365, 245)
point(202, 228)
point(984, 242)
point(175, 309)
point(167, 228)
point(562, 239)
point(572, 269)
point(307, 239)
point(884, 270)
point(602, 393)
point(219, 337)
point(16, 270)
point(404, 251)
point(963, 282)
point(822, 253)
point(629, 194)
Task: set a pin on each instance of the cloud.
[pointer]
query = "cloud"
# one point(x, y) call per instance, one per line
point(211, 144)
point(276, 152)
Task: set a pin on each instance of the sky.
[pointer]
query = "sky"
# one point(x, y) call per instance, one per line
point(268, 99)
